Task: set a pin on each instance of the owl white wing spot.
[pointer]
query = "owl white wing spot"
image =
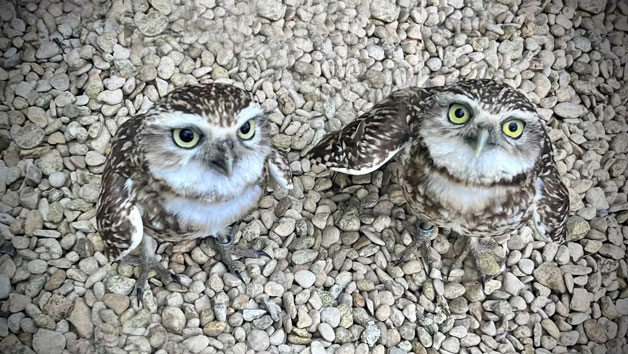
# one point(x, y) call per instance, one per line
point(279, 169)
point(279, 177)
point(536, 217)
point(367, 170)
point(135, 217)
point(128, 185)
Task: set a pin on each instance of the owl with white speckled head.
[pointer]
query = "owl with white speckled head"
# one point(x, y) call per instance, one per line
point(194, 164)
point(475, 158)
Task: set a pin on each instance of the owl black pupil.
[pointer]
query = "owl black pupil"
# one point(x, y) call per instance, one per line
point(245, 128)
point(513, 127)
point(186, 135)
point(459, 113)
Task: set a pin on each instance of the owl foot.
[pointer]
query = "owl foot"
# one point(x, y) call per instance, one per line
point(421, 236)
point(224, 245)
point(146, 264)
point(486, 262)
point(249, 253)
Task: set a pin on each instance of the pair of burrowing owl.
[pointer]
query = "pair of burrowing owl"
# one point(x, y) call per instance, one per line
point(187, 169)
point(475, 158)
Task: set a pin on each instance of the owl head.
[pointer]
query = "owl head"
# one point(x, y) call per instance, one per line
point(482, 131)
point(208, 138)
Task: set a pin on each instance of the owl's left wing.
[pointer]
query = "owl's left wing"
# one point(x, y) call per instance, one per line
point(368, 142)
point(551, 207)
point(280, 169)
point(119, 218)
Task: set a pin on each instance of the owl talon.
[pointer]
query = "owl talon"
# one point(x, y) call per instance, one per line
point(234, 267)
point(405, 255)
point(261, 253)
point(138, 294)
point(146, 264)
point(175, 278)
point(483, 280)
point(224, 244)
point(239, 274)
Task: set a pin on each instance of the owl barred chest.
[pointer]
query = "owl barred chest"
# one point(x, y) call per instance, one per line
point(173, 217)
point(470, 210)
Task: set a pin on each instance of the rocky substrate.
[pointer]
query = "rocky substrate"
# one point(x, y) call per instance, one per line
point(72, 71)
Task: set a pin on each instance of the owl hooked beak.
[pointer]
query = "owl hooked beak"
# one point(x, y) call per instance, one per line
point(225, 161)
point(481, 140)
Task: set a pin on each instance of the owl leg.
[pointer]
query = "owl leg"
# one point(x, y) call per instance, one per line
point(224, 245)
point(421, 236)
point(147, 262)
point(146, 265)
point(485, 260)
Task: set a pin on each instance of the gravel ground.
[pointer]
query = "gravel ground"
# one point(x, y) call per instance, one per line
point(71, 71)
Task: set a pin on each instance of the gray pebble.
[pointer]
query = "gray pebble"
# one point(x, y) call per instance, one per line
point(258, 340)
point(48, 342)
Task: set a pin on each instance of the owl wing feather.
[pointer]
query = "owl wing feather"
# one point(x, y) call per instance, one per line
point(551, 206)
point(119, 218)
point(368, 142)
point(280, 169)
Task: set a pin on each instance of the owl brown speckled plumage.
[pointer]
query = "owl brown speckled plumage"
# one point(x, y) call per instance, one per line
point(474, 156)
point(191, 166)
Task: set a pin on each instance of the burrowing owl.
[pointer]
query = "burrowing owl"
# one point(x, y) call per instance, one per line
point(474, 157)
point(187, 169)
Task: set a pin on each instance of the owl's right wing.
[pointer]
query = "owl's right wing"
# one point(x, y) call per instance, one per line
point(119, 218)
point(551, 203)
point(368, 142)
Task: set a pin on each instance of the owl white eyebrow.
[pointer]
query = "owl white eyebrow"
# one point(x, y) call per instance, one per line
point(179, 120)
point(448, 100)
point(253, 111)
point(516, 114)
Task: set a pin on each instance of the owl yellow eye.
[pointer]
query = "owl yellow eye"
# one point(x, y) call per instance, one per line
point(458, 114)
point(185, 138)
point(513, 128)
point(247, 130)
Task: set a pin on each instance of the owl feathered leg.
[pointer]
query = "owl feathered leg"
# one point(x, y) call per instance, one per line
point(421, 236)
point(224, 245)
point(147, 262)
point(487, 263)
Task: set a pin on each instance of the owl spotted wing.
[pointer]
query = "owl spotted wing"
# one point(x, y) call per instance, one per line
point(119, 219)
point(279, 169)
point(373, 138)
point(551, 207)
